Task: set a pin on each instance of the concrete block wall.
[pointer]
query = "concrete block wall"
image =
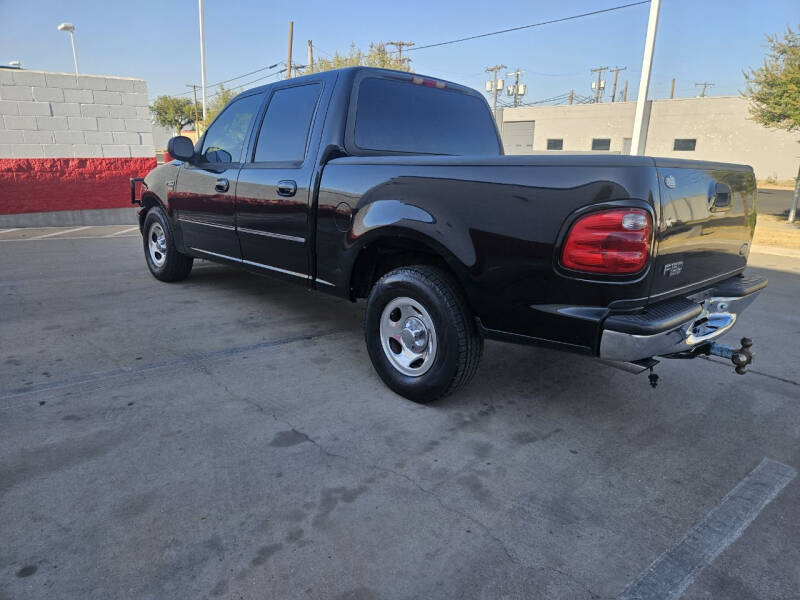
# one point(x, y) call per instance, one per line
point(61, 115)
point(69, 145)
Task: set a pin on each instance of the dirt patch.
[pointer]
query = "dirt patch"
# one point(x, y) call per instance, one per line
point(776, 231)
point(787, 184)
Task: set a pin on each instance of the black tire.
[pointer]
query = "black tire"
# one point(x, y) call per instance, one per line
point(165, 263)
point(458, 345)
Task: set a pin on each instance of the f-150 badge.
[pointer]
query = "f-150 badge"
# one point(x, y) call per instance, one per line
point(673, 269)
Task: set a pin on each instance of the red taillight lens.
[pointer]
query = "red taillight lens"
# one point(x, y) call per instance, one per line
point(612, 241)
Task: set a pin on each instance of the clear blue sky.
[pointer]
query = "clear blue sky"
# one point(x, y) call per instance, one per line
point(698, 40)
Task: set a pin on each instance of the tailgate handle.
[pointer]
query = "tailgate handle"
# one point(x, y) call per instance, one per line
point(722, 197)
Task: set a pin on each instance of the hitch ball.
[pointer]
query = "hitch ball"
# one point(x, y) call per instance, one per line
point(740, 357)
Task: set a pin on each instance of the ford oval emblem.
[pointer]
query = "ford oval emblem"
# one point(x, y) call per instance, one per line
point(743, 249)
point(670, 182)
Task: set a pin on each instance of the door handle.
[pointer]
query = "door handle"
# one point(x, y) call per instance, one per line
point(287, 187)
point(222, 185)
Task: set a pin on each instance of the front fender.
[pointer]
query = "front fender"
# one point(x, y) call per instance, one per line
point(160, 182)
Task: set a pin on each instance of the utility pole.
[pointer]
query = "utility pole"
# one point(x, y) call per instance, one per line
point(705, 84)
point(196, 123)
point(289, 59)
point(400, 45)
point(202, 57)
point(625, 92)
point(516, 90)
point(672, 90)
point(639, 126)
point(494, 71)
point(615, 71)
point(599, 72)
point(310, 56)
point(571, 96)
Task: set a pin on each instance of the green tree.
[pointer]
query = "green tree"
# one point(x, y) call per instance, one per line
point(377, 56)
point(774, 90)
point(216, 103)
point(173, 112)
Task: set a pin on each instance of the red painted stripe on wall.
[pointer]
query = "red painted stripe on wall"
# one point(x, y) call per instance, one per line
point(50, 184)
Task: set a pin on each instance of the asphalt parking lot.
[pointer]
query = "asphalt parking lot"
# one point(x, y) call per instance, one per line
point(226, 437)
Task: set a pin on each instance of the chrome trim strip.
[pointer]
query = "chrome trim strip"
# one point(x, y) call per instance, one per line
point(279, 236)
point(254, 264)
point(322, 281)
point(279, 270)
point(225, 256)
point(196, 222)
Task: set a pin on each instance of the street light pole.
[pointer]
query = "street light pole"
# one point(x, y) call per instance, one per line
point(202, 59)
point(70, 28)
point(639, 126)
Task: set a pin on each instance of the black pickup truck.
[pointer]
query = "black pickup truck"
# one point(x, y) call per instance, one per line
point(391, 186)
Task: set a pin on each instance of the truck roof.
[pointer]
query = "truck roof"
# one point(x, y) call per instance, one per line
point(352, 71)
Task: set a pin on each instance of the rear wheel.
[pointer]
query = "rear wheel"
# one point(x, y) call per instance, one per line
point(420, 335)
point(161, 254)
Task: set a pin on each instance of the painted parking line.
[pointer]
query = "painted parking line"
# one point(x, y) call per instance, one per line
point(62, 232)
point(122, 232)
point(61, 239)
point(10, 230)
point(675, 570)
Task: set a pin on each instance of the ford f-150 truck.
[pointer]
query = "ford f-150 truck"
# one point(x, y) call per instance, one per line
point(391, 186)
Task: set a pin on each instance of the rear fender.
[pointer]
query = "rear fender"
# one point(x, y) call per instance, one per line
point(393, 217)
point(414, 236)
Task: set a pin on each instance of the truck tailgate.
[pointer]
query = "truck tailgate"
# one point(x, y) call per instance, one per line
point(708, 214)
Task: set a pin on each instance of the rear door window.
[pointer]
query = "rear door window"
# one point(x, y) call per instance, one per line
point(401, 116)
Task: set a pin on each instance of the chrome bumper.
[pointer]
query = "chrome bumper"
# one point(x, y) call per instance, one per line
point(717, 315)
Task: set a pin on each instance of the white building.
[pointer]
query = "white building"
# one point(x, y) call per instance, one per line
point(710, 128)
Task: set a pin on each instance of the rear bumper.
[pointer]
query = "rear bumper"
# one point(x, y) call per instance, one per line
point(679, 325)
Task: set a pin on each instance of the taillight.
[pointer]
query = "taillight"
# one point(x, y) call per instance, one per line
point(612, 241)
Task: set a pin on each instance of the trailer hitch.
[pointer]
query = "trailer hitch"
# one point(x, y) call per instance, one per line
point(740, 357)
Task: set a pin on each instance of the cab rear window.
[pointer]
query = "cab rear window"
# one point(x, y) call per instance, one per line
point(401, 116)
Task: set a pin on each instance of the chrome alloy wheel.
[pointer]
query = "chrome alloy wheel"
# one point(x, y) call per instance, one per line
point(157, 244)
point(408, 336)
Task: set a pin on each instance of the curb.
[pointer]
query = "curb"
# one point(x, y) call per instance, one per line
point(71, 218)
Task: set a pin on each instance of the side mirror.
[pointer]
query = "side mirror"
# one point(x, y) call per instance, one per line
point(181, 147)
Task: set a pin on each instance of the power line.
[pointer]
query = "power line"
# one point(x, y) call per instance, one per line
point(456, 41)
point(321, 50)
point(268, 75)
point(211, 85)
point(539, 24)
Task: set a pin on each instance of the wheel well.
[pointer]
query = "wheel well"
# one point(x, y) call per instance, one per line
point(379, 257)
point(148, 201)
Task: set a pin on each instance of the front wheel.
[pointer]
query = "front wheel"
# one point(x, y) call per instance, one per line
point(420, 335)
point(161, 254)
